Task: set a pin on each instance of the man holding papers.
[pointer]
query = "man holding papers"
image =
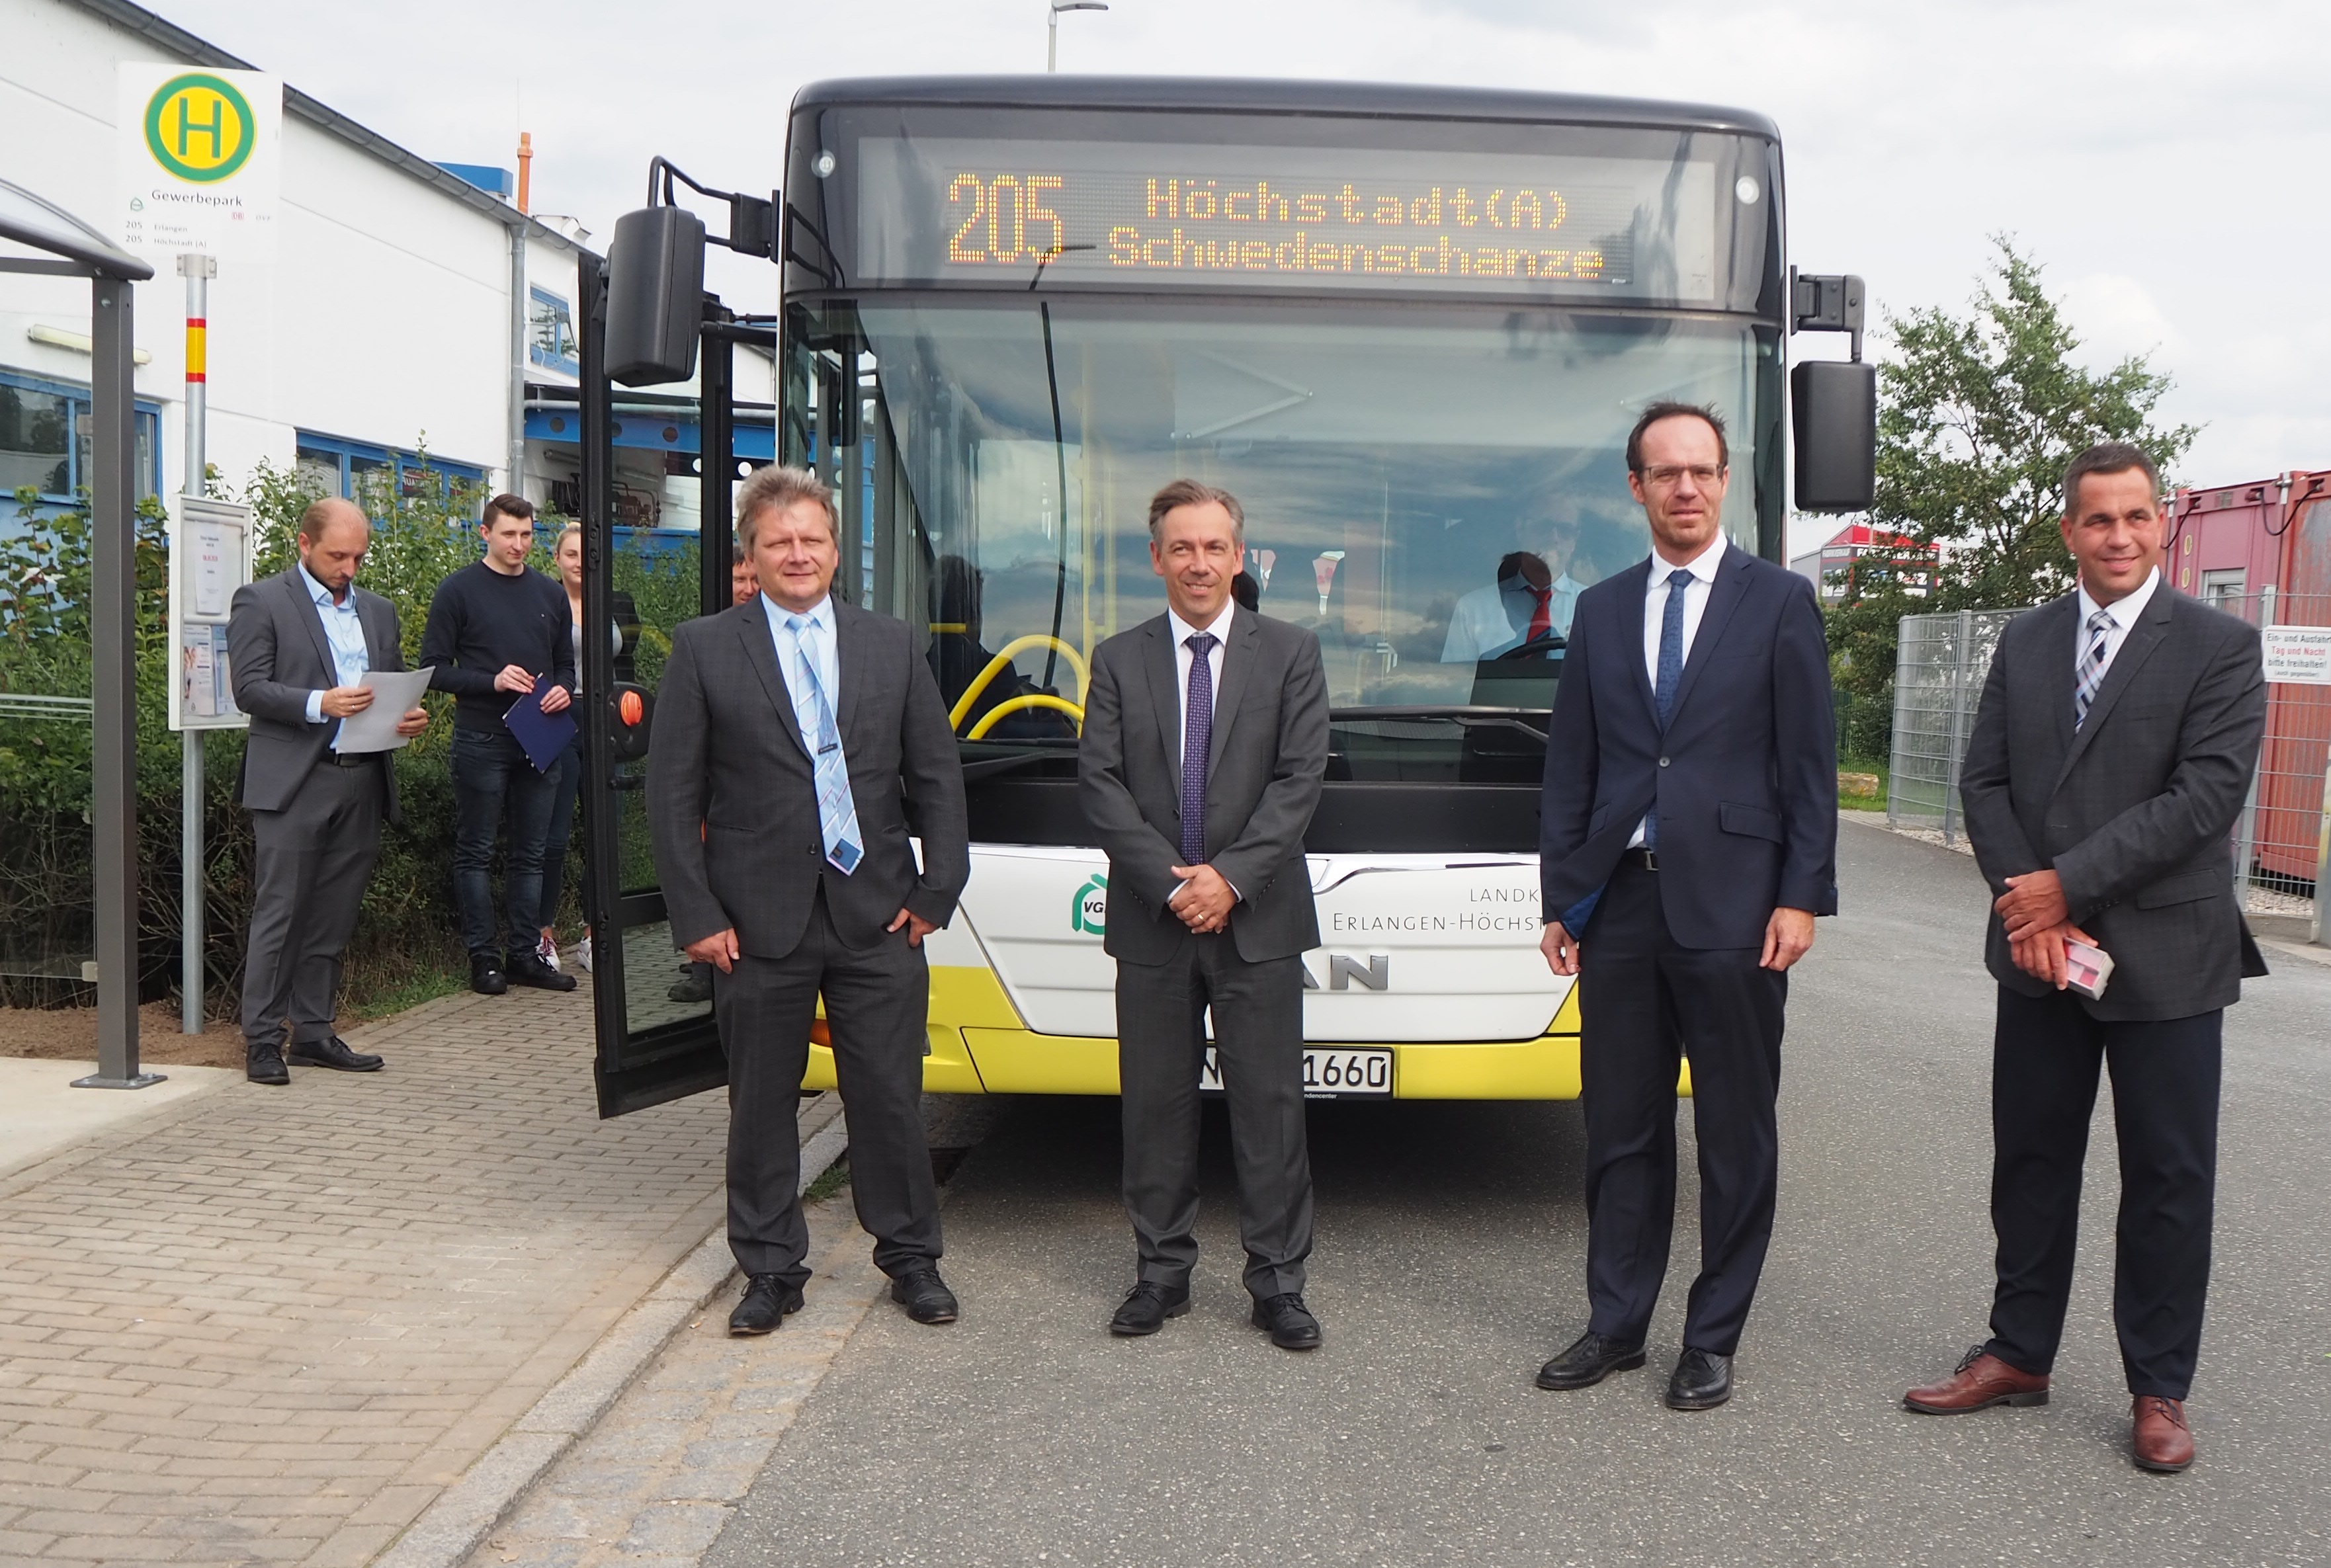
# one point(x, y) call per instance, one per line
point(497, 630)
point(305, 645)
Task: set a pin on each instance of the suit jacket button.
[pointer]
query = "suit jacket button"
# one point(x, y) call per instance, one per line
point(1663, 762)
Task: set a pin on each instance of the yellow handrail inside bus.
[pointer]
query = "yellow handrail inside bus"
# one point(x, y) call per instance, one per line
point(1002, 661)
point(1012, 705)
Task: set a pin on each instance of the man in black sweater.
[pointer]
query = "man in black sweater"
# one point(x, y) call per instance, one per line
point(494, 629)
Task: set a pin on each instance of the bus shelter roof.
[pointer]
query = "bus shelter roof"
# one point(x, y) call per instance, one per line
point(42, 225)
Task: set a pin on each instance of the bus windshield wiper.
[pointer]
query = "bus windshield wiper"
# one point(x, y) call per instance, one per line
point(1467, 714)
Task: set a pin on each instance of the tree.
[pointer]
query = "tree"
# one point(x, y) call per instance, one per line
point(1978, 417)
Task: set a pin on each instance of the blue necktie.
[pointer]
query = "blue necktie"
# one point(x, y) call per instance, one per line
point(837, 813)
point(1197, 739)
point(1670, 675)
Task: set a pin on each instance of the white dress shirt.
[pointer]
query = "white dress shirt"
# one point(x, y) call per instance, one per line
point(344, 631)
point(817, 641)
point(2122, 613)
point(1184, 658)
point(1696, 593)
point(1490, 620)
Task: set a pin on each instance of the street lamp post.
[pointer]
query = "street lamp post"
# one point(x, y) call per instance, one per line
point(1052, 27)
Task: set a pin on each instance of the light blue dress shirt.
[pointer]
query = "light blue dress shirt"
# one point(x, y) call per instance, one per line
point(343, 630)
point(822, 657)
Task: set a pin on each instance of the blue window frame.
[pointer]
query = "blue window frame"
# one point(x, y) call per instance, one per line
point(45, 441)
point(339, 466)
point(550, 341)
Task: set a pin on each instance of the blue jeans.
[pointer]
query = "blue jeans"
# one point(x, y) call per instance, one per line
point(493, 780)
point(566, 781)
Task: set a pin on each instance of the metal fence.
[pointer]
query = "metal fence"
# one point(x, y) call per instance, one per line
point(41, 938)
point(1938, 671)
point(1938, 677)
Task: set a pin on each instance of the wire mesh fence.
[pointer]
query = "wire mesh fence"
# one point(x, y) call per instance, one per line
point(1939, 667)
point(2277, 841)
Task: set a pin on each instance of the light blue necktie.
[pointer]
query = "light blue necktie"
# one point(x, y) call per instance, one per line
point(2092, 667)
point(1670, 675)
point(837, 813)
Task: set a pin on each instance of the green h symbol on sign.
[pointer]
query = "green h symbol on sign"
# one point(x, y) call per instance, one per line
point(213, 128)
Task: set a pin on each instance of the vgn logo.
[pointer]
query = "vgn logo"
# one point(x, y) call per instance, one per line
point(1089, 910)
point(200, 128)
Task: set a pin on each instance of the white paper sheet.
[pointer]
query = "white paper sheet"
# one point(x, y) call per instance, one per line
point(375, 729)
point(218, 551)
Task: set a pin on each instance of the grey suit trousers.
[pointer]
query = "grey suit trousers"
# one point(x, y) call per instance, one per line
point(1258, 1013)
point(313, 861)
point(876, 1001)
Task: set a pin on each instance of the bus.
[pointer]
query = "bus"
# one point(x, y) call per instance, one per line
point(1408, 327)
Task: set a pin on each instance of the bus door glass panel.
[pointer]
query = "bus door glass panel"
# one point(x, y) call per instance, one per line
point(656, 580)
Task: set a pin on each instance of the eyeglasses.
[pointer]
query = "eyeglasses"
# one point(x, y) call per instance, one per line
point(1664, 475)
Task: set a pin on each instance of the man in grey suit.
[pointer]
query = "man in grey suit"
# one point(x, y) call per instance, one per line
point(1202, 803)
point(798, 743)
point(2115, 739)
point(300, 644)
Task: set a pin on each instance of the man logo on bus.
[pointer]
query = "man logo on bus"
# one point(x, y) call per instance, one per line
point(1089, 910)
point(200, 127)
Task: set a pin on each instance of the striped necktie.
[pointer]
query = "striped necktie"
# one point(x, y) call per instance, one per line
point(837, 813)
point(2092, 666)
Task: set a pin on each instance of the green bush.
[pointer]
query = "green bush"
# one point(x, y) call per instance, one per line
point(422, 531)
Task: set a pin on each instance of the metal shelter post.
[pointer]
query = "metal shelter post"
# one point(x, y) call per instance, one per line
point(112, 633)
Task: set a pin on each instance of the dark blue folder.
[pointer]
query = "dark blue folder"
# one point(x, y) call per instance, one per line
point(543, 736)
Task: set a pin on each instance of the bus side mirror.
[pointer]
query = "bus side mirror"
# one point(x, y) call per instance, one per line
point(1833, 412)
point(655, 295)
point(1832, 406)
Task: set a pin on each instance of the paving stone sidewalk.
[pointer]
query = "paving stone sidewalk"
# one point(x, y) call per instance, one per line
point(274, 1327)
point(658, 1477)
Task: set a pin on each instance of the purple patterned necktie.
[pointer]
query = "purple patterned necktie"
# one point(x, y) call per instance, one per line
point(1197, 739)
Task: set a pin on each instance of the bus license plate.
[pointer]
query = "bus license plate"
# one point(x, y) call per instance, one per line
point(1328, 1073)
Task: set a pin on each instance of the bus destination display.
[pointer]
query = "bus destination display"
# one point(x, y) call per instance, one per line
point(1147, 215)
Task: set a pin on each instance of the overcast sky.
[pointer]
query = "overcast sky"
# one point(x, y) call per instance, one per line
point(2162, 158)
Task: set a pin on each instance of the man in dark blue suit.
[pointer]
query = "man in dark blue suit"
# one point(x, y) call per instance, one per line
point(1688, 837)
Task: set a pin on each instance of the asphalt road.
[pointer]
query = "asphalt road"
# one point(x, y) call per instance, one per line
point(1449, 1266)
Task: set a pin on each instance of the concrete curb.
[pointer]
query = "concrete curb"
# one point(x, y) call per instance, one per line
point(464, 1514)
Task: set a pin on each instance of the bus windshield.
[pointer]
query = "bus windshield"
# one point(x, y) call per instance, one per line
point(1427, 490)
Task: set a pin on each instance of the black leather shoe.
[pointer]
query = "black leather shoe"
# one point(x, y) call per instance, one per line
point(1702, 1381)
point(486, 975)
point(925, 1296)
point(1590, 1359)
point(1145, 1309)
point(768, 1302)
point(528, 969)
point(334, 1053)
point(1290, 1323)
point(264, 1064)
point(696, 985)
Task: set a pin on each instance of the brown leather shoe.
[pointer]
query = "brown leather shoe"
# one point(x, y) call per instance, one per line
point(2162, 1441)
point(1982, 1380)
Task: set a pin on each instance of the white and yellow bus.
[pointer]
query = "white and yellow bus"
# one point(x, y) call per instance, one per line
point(1410, 329)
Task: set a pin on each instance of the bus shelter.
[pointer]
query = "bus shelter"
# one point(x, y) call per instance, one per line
point(63, 245)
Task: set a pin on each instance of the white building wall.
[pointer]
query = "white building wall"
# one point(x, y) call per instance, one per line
point(384, 315)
